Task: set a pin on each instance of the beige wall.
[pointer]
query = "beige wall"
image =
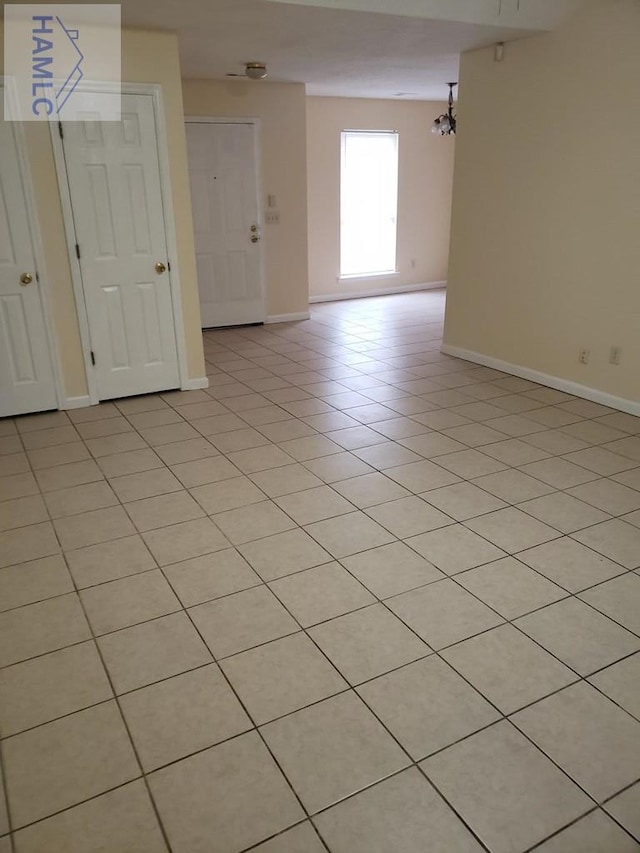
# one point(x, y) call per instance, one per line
point(281, 110)
point(545, 255)
point(424, 190)
point(149, 57)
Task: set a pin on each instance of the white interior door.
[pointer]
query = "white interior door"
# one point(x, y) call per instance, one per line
point(224, 195)
point(114, 184)
point(26, 373)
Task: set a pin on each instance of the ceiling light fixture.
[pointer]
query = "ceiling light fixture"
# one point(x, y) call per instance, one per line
point(255, 70)
point(446, 124)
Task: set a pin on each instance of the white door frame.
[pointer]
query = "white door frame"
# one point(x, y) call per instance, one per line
point(8, 84)
point(257, 148)
point(155, 91)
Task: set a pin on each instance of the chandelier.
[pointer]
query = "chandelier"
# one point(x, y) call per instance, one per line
point(446, 124)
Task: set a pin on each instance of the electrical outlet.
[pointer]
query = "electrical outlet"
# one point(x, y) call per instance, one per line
point(584, 356)
point(615, 355)
point(272, 217)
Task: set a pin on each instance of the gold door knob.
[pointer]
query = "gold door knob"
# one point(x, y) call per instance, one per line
point(26, 278)
point(160, 267)
point(254, 238)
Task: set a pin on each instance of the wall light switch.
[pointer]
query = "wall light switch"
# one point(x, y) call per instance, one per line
point(272, 217)
point(271, 200)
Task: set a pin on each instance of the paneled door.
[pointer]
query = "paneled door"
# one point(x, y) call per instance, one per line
point(26, 373)
point(224, 196)
point(114, 184)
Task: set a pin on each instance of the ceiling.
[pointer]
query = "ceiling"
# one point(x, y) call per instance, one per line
point(340, 47)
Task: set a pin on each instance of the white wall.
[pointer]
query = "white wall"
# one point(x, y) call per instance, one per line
point(424, 190)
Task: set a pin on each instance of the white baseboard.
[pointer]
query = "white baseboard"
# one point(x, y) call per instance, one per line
point(76, 402)
point(195, 384)
point(557, 382)
point(379, 291)
point(288, 318)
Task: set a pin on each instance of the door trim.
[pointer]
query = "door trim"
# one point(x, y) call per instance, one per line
point(155, 91)
point(37, 245)
point(257, 149)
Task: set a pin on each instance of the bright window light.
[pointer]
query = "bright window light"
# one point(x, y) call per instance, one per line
point(368, 202)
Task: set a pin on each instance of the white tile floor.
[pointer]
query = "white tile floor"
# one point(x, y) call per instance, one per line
point(358, 596)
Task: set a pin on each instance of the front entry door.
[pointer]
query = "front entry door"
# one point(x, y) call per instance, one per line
point(224, 195)
point(26, 373)
point(114, 184)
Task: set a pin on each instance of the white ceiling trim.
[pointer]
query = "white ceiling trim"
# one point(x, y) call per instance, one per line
point(521, 14)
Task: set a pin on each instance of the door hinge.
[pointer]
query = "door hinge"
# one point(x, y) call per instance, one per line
point(93, 358)
point(60, 130)
point(77, 251)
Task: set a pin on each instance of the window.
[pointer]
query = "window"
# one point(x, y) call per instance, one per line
point(368, 202)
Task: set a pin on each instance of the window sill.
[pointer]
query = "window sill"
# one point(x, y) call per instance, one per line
point(366, 276)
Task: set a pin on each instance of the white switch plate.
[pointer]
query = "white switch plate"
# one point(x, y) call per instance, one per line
point(272, 217)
